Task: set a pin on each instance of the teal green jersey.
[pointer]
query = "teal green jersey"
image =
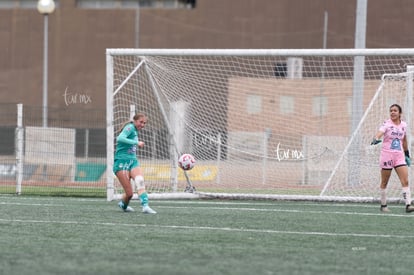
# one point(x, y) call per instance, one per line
point(126, 143)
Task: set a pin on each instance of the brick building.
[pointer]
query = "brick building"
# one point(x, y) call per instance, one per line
point(79, 35)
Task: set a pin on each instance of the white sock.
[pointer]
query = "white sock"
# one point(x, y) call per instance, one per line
point(139, 181)
point(407, 195)
point(383, 193)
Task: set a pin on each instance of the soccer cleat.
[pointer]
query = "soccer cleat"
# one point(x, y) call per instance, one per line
point(409, 208)
point(147, 210)
point(128, 209)
point(385, 209)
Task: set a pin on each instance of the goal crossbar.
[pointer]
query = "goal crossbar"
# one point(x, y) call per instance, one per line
point(261, 52)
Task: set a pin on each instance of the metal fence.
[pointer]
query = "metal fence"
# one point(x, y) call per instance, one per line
point(68, 157)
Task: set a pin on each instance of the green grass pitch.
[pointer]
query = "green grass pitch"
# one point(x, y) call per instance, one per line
point(55, 235)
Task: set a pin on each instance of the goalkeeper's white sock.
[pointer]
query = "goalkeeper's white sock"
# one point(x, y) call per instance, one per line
point(406, 195)
point(383, 193)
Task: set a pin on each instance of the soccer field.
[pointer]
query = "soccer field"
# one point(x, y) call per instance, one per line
point(50, 235)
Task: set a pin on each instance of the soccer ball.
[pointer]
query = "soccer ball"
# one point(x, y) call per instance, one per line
point(186, 162)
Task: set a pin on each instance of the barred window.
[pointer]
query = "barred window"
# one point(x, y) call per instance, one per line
point(21, 4)
point(134, 4)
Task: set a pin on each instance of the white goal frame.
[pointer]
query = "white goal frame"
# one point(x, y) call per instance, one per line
point(357, 54)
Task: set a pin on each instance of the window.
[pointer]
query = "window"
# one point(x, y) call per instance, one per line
point(287, 104)
point(319, 105)
point(135, 4)
point(254, 104)
point(23, 4)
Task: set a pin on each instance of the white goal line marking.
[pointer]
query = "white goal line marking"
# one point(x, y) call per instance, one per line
point(301, 211)
point(230, 229)
point(294, 211)
point(199, 202)
point(274, 203)
point(30, 204)
point(196, 202)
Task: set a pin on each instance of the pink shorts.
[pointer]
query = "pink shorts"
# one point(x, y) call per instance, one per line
point(392, 159)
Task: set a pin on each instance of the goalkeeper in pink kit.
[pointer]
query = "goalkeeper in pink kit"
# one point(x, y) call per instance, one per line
point(394, 155)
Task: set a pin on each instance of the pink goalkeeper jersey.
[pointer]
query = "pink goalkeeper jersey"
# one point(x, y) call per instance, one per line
point(393, 135)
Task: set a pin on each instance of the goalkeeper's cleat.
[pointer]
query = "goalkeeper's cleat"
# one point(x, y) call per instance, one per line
point(385, 209)
point(147, 210)
point(409, 208)
point(128, 209)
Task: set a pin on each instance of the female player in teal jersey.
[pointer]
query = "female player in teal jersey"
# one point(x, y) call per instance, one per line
point(126, 165)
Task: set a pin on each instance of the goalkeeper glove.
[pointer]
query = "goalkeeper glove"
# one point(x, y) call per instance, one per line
point(407, 158)
point(375, 141)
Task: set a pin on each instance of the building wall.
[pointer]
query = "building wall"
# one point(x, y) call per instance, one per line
point(78, 38)
point(300, 116)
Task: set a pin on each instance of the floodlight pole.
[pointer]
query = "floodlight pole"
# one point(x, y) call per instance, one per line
point(45, 7)
point(358, 87)
point(45, 70)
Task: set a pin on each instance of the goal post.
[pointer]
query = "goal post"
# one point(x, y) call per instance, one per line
point(265, 124)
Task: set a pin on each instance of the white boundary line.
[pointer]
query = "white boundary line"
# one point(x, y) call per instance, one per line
point(199, 202)
point(298, 211)
point(208, 228)
point(49, 202)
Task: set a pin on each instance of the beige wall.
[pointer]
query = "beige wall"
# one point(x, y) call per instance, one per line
point(302, 120)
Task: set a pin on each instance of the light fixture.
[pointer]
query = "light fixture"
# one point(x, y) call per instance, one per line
point(45, 6)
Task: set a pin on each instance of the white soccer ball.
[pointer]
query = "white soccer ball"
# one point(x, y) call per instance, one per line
point(186, 162)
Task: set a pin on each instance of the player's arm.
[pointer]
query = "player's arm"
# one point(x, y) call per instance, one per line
point(377, 138)
point(405, 143)
point(123, 137)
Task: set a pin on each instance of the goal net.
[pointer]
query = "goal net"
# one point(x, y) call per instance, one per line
point(294, 124)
